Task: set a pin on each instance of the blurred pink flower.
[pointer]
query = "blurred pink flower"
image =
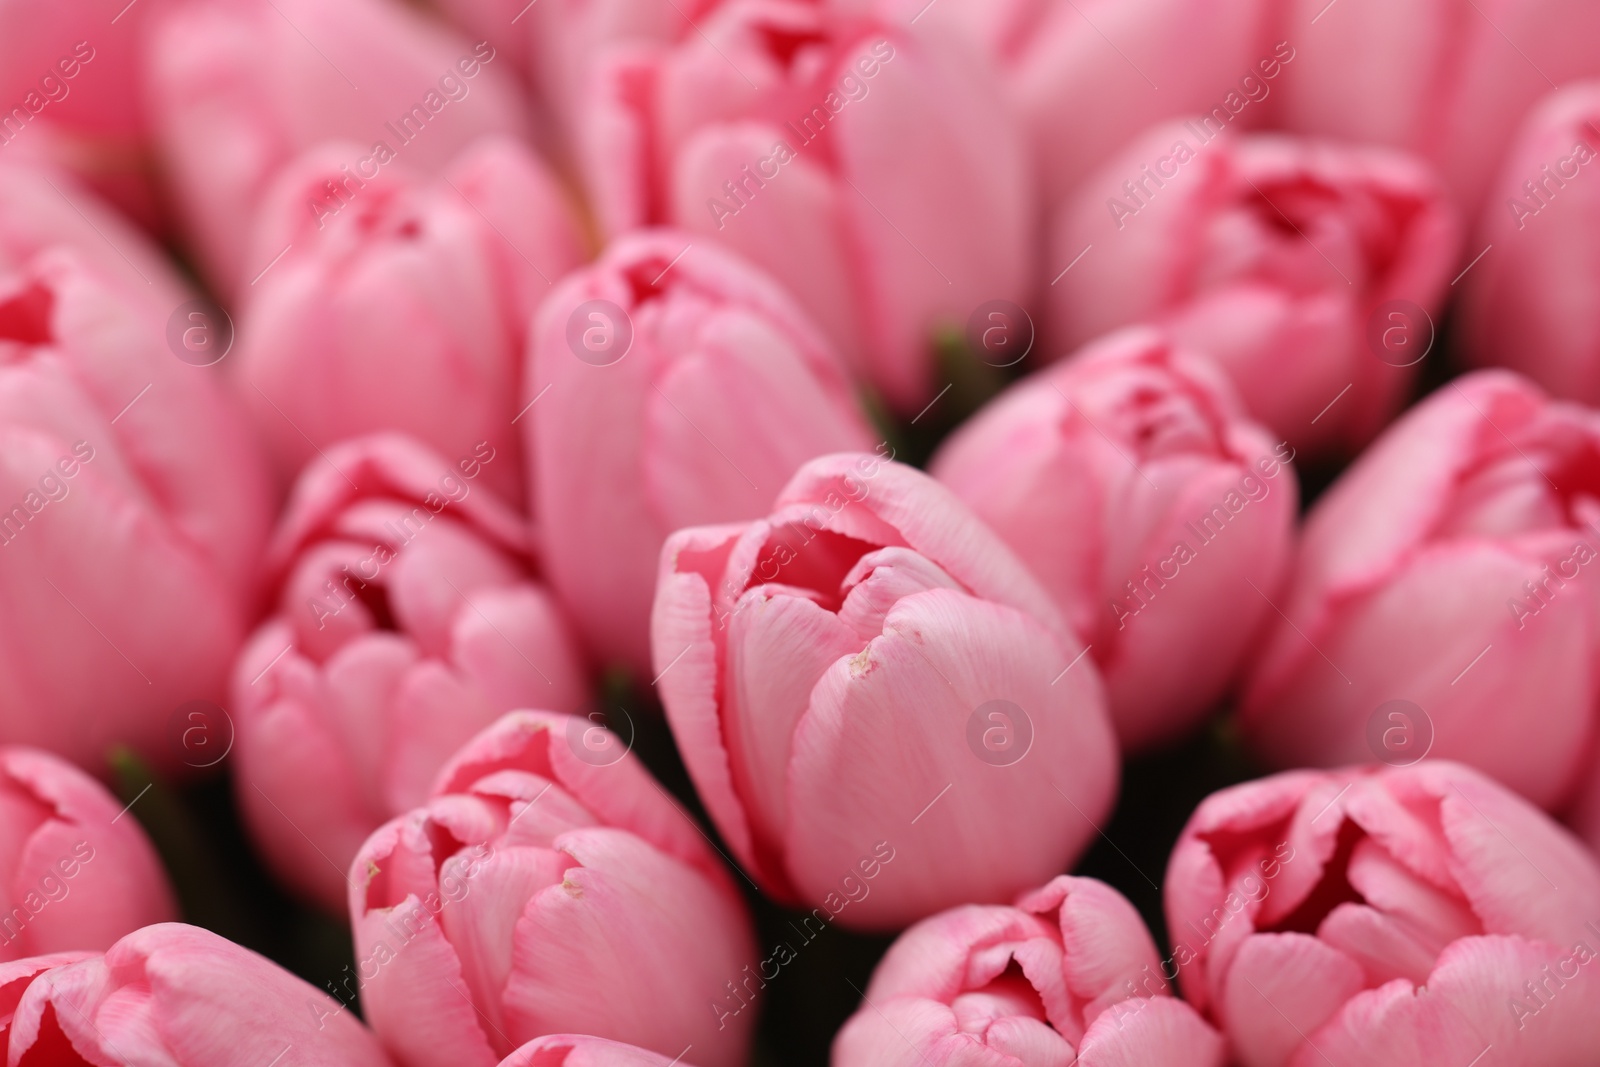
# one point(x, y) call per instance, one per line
point(1274, 256)
point(832, 670)
point(406, 621)
point(1446, 79)
point(1414, 916)
point(549, 887)
point(1448, 568)
point(73, 874)
point(133, 507)
point(1088, 77)
point(1528, 302)
point(1067, 976)
point(1132, 484)
point(238, 89)
point(875, 174)
point(404, 302)
point(175, 994)
point(69, 93)
point(684, 388)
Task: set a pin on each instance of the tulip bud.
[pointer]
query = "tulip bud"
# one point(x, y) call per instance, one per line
point(1136, 490)
point(133, 508)
point(684, 387)
point(1442, 586)
point(766, 132)
point(176, 994)
point(832, 671)
point(1309, 271)
point(403, 303)
point(550, 886)
point(76, 874)
point(406, 620)
point(1068, 975)
point(1540, 224)
point(238, 90)
point(1399, 915)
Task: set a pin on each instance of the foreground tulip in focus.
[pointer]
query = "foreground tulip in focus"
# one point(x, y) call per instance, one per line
point(1440, 598)
point(573, 1050)
point(172, 994)
point(238, 90)
point(75, 875)
point(1132, 484)
point(832, 670)
point(1068, 975)
point(1410, 916)
point(684, 387)
point(133, 509)
point(1529, 303)
point(402, 304)
point(1276, 256)
point(406, 620)
point(550, 886)
point(767, 132)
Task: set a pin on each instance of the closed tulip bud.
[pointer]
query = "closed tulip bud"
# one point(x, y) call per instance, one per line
point(75, 875)
point(1388, 915)
point(1443, 586)
point(1068, 975)
point(873, 173)
point(832, 671)
point(572, 1050)
point(1133, 485)
point(407, 618)
point(1308, 270)
point(1541, 226)
point(667, 386)
point(133, 508)
point(403, 303)
point(550, 886)
point(176, 994)
point(238, 90)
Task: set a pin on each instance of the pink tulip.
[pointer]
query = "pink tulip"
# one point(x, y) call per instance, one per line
point(69, 93)
point(1282, 259)
point(1086, 78)
point(239, 89)
point(1526, 304)
point(73, 873)
point(406, 621)
point(1067, 976)
point(1446, 79)
point(403, 303)
point(1446, 571)
point(1414, 916)
point(132, 512)
point(181, 996)
point(549, 887)
point(872, 173)
point(832, 670)
point(570, 1050)
point(41, 208)
point(684, 388)
point(1136, 490)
